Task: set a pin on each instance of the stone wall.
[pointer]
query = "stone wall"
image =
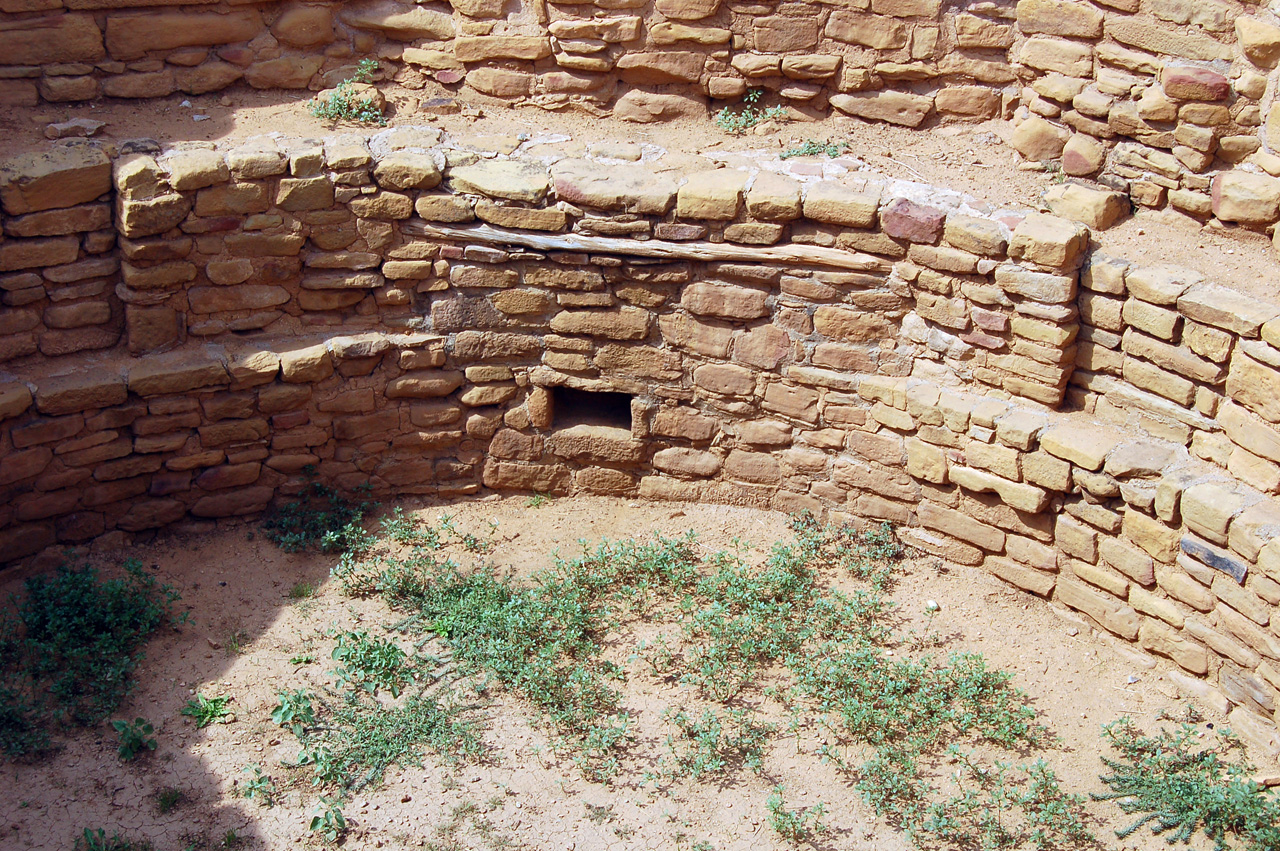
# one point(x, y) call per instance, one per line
point(402, 311)
point(1168, 100)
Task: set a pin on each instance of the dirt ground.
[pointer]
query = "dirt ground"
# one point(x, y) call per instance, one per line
point(968, 158)
point(236, 586)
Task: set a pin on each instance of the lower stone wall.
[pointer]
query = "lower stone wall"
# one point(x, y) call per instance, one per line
point(1142, 539)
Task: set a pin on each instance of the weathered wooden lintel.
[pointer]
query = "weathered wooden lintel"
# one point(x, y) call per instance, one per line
point(804, 255)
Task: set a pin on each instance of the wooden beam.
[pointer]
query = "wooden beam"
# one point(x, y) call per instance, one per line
point(805, 255)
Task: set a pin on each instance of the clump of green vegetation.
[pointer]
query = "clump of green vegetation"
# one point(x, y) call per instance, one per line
point(260, 787)
point(713, 744)
point(799, 825)
point(888, 717)
point(208, 710)
point(168, 799)
point(370, 663)
point(97, 840)
point(751, 115)
point(814, 148)
point(302, 590)
point(135, 738)
point(1179, 781)
point(328, 820)
point(344, 103)
point(69, 650)
point(320, 517)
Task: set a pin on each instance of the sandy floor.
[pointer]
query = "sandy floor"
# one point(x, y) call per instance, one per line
point(236, 585)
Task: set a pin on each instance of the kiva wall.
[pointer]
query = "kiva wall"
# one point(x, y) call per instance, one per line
point(1170, 101)
point(188, 331)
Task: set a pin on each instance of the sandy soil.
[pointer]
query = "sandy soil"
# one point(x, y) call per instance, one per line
point(971, 159)
point(236, 586)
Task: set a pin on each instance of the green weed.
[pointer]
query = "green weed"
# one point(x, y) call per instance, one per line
point(260, 787)
point(1177, 781)
point(97, 840)
point(69, 650)
point(237, 640)
point(370, 663)
point(328, 820)
point(294, 710)
point(538, 500)
point(344, 104)
point(737, 123)
point(712, 744)
point(168, 799)
point(320, 517)
point(799, 825)
point(135, 738)
point(302, 590)
point(814, 148)
point(207, 710)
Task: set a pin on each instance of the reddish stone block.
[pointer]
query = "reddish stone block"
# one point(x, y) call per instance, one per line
point(908, 220)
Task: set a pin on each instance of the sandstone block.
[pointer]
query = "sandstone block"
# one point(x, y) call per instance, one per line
point(835, 203)
point(1246, 198)
point(1099, 209)
point(1049, 241)
point(904, 219)
point(714, 195)
point(1259, 40)
point(642, 107)
point(727, 301)
point(1083, 155)
point(1060, 17)
point(893, 107)
point(1053, 54)
point(968, 101)
point(63, 175)
point(1039, 140)
point(774, 198)
point(514, 180)
point(51, 38)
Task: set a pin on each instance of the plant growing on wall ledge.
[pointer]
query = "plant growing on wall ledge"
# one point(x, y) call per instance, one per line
point(749, 116)
point(354, 99)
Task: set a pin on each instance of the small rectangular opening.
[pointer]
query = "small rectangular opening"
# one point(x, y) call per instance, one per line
point(585, 407)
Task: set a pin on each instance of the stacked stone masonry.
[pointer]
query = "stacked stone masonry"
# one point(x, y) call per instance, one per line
point(186, 332)
point(1170, 101)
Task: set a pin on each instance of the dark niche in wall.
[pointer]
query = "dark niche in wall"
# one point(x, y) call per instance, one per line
point(586, 407)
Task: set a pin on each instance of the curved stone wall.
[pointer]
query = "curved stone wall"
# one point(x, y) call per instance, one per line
point(187, 331)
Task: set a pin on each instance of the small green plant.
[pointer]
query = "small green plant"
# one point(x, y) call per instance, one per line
point(320, 517)
point(370, 663)
point(1177, 781)
point(302, 590)
point(328, 820)
point(231, 839)
point(260, 787)
point(135, 738)
point(237, 640)
point(294, 710)
point(814, 148)
point(538, 500)
point(207, 710)
point(704, 747)
point(97, 840)
point(302, 659)
point(345, 103)
point(168, 799)
point(799, 825)
point(737, 123)
point(68, 652)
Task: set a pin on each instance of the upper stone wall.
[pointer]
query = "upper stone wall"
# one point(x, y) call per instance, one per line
point(1154, 97)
